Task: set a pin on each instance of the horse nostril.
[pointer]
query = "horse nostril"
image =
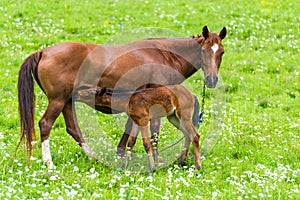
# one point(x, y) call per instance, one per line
point(211, 81)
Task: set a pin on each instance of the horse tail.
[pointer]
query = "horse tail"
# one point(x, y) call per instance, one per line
point(26, 99)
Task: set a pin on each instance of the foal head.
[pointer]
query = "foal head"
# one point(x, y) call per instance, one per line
point(211, 43)
point(94, 95)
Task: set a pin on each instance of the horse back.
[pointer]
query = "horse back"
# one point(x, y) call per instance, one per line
point(58, 67)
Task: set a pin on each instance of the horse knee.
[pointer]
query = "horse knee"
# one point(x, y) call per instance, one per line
point(45, 127)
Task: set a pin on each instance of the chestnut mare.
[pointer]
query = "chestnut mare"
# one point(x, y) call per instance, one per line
point(63, 67)
point(174, 102)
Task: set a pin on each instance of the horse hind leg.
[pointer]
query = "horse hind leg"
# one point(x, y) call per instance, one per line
point(52, 112)
point(154, 129)
point(74, 130)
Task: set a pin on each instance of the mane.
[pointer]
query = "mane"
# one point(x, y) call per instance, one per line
point(198, 38)
point(159, 38)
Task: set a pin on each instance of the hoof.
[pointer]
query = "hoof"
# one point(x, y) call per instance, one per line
point(50, 165)
point(123, 165)
point(181, 163)
point(199, 168)
point(159, 160)
point(120, 152)
point(152, 170)
point(89, 152)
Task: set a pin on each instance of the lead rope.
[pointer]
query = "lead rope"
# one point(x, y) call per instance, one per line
point(200, 120)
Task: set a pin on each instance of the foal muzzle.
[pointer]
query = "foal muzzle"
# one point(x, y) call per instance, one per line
point(211, 81)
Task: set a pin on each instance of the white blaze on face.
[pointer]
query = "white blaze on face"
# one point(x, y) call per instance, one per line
point(215, 47)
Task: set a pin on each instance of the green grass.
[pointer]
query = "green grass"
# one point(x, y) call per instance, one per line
point(257, 155)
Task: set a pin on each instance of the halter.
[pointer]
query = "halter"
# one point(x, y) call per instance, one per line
point(200, 119)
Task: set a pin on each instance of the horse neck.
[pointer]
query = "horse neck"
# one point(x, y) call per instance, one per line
point(184, 55)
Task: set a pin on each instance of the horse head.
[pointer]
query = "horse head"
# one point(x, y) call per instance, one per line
point(211, 43)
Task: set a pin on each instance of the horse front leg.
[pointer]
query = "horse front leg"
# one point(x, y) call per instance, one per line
point(122, 144)
point(177, 123)
point(52, 112)
point(194, 137)
point(74, 130)
point(131, 142)
point(154, 129)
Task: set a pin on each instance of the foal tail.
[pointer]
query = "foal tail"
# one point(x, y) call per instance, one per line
point(26, 99)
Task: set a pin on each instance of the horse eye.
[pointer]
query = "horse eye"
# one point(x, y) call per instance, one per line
point(222, 53)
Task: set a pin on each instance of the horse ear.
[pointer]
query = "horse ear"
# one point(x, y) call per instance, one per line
point(205, 32)
point(222, 33)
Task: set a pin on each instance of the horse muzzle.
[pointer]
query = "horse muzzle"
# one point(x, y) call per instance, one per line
point(211, 81)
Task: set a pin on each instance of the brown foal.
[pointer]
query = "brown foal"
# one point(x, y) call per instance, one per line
point(174, 102)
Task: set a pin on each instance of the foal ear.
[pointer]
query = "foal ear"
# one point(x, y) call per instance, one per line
point(205, 32)
point(222, 33)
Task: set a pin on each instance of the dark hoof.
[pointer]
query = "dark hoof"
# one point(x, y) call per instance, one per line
point(123, 165)
point(152, 170)
point(199, 168)
point(120, 152)
point(159, 160)
point(181, 163)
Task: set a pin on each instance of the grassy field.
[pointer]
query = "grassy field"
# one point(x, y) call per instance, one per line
point(257, 149)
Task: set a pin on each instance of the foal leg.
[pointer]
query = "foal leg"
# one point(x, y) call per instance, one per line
point(74, 130)
point(52, 112)
point(148, 147)
point(154, 127)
